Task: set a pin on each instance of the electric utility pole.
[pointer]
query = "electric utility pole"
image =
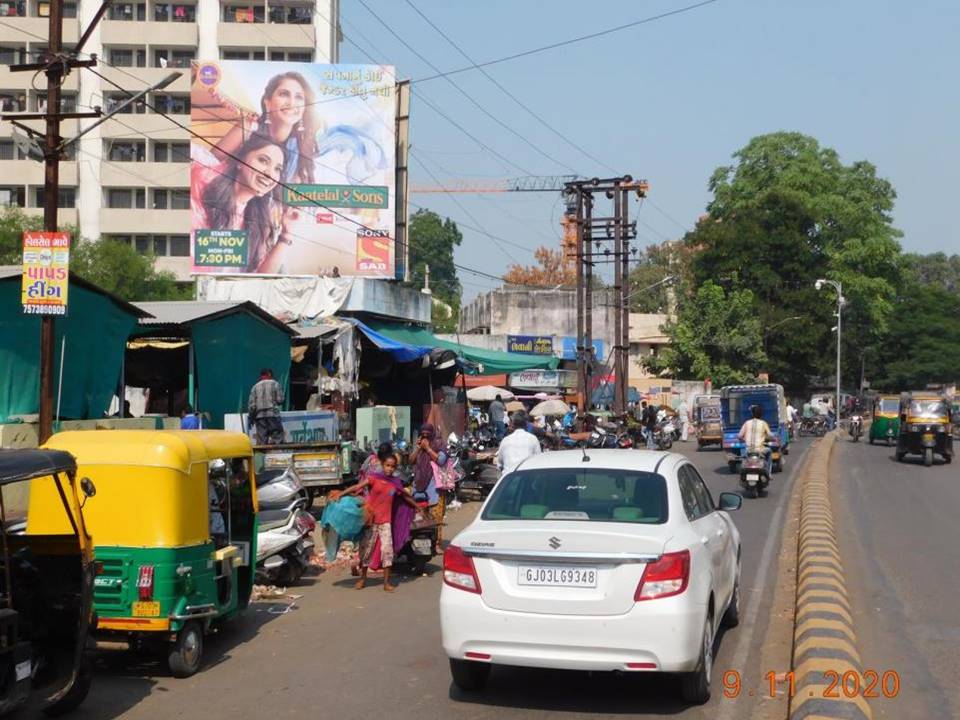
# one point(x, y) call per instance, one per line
point(595, 235)
point(56, 65)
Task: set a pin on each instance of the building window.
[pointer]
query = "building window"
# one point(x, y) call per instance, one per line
point(160, 245)
point(173, 58)
point(10, 151)
point(171, 152)
point(13, 101)
point(128, 11)
point(180, 245)
point(67, 197)
point(172, 104)
point(12, 54)
point(126, 198)
point(166, 12)
point(13, 8)
point(142, 244)
point(160, 199)
point(115, 100)
point(13, 197)
point(180, 199)
point(242, 55)
point(126, 150)
point(243, 13)
point(68, 102)
point(127, 57)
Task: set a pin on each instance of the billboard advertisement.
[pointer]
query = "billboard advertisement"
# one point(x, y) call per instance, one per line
point(293, 169)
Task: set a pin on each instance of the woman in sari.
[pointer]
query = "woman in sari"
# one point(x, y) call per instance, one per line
point(429, 451)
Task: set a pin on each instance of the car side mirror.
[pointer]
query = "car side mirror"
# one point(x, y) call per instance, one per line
point(730, 501)
point(88, 488)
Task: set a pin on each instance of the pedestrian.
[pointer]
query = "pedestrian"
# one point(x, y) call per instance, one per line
point(189, 420)
point(683, 417)
point(649, 415)
point(430, 450)
point(266, 398)
point(384, 491)
point(497, 412)
point(518, 446)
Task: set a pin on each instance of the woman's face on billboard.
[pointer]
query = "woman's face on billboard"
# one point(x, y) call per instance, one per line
point(263, 169)
point(286, 104)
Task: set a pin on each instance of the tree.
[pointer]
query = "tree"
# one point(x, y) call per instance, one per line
point(13, 223)
point(432, 241)
point(117, 268)
point(657, 262)
point(936, 269)
point(716, 335)
point(553, 269)
point(787, 212)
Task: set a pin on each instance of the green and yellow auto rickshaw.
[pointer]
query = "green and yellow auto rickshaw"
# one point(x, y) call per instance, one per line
point(925, 427)
point(174, 528)
point(885, 423)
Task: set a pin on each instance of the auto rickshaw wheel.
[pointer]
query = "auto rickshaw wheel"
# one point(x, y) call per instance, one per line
point(928, 457)
point(76, 694)
point(186, 652)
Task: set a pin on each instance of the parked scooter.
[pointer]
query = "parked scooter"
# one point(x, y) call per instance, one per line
point(663, 434)
point(754, 476)
point(856, 427)
point(284, 543)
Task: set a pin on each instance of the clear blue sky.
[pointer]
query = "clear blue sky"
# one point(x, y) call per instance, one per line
point(671, 100)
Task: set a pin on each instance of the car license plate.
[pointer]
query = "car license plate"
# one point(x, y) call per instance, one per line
point(753, 478)
point(557, 576)
point(422, 546)
point(146, 609)
point(928, 437)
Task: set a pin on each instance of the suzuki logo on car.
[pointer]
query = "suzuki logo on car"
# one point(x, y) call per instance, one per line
point(554, 542)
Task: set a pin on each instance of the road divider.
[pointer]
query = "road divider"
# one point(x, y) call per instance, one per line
point(826, 680)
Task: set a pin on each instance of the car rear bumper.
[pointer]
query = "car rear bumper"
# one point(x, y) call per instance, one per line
point(665, 633)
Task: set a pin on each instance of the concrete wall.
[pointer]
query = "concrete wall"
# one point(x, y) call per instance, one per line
point(388, 299)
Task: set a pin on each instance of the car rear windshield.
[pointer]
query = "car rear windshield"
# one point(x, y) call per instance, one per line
point(889, 406)
point(623, 496)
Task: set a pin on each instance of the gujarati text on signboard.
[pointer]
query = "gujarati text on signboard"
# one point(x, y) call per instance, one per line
point(46, 273)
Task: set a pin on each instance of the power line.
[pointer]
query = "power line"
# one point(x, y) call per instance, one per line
point(509, 94)
point(563, 43)
point(463, 92)
point(667, 215)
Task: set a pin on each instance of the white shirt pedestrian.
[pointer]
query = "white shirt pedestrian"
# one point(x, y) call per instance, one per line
point(683, 417)
point(514, 449)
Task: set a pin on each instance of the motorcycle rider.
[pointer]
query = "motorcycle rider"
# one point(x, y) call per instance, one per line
point(755, 433)
point(517, 446)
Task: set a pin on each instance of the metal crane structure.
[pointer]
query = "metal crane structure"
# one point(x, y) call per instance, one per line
point(528, 183)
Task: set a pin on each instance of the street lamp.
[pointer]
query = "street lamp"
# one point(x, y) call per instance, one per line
point(840, 302)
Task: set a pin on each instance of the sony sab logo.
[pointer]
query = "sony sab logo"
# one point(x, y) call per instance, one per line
point(373, 251)
point(554, 542)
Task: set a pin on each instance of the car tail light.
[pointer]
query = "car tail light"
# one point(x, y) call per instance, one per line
point(459, 571)
point(145, 582)
point(667, 576)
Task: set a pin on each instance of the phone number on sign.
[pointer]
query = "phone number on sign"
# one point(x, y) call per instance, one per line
point(849, 684)
point(44, 310)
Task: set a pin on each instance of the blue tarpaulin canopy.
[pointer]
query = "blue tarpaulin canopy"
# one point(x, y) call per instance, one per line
point(400, 351)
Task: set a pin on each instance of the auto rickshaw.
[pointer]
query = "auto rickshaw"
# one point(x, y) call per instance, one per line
point(707, 420)
point(885, 424)
point(925, 427)
point(174, 526)
point(736, 402)
point(46, 585)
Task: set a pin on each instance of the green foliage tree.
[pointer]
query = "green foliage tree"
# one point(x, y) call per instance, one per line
point(936, 269)
point(787, 212)
point(715, 335)
point(432, 241)
point(654, 264)
point(13, 222)
point(117, 267)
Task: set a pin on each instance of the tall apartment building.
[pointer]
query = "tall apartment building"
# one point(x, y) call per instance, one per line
point(129, 178)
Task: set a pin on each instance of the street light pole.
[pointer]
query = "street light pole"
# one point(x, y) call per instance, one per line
point(840, 301)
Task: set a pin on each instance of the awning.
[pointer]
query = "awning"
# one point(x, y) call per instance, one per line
point(491, 361)
point(400, 349)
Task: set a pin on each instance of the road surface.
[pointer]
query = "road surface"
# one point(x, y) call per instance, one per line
point(344, 653)
point(899, 533)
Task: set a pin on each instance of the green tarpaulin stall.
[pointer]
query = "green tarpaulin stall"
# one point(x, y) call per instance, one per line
point(95, 328)
point(230, 342)
point(491, 361)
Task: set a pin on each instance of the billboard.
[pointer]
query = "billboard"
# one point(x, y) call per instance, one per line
point(46, 273)
point(293, 169)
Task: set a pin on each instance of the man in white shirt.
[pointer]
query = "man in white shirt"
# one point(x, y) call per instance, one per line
point(517, 446)
point(755, 433)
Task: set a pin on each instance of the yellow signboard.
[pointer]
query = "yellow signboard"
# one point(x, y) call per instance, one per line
point(46, 272)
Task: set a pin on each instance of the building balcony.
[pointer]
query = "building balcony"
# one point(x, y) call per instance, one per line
point(156, 127)
point(119, 32)
point(124, 221)
point(30, 27)
point(65, 216)
point(30, 172)
point(147, 76)
point(140, 174)
point(259, 35)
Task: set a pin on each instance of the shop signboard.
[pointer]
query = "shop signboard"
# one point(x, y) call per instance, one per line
point(530, 344)
point(542, 379)
point(46, 273)
point(569, 348)
point(293, 169)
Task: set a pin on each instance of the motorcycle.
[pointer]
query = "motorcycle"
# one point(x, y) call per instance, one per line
point(284, 542)
point(754, 475)
point(816, 426)
point(663, 434)
point(856, 427)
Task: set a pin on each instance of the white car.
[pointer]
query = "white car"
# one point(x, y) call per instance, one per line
point(603, 560)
